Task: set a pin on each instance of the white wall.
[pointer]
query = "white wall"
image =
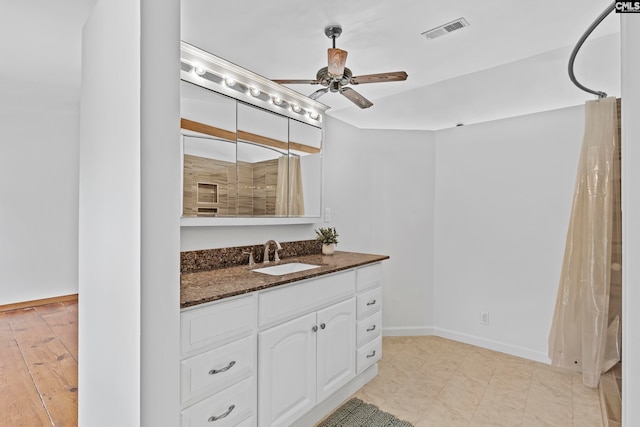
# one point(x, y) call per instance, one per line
point(109, 221)
point(396, 203)
point(129, 215)
point(129, 208)
point(39, 193)
point(503, 199)
point(347, 192)
point(160, 213)
point(631, 219)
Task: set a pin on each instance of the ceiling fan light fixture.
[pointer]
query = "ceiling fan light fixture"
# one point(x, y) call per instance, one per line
point(337, 58)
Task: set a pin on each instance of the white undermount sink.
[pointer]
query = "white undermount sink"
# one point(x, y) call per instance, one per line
point(281, 269)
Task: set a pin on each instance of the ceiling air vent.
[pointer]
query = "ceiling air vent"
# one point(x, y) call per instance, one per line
point(446, 28)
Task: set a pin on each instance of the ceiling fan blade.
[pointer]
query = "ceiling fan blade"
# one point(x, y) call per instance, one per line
point(296, 82)
point(317, 94)
point(356, 98)
point(396, 76)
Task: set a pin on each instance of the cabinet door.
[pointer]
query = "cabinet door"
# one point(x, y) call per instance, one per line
point(336, 362)
point(287, 371)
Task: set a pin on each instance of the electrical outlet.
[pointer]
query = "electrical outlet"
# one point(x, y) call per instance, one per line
point(484, 317)
point(327, 214)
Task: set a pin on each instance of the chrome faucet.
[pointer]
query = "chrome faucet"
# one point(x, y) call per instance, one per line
point(276, 258)
point(251, 261)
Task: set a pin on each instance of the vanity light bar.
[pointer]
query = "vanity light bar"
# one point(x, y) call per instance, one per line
point(201, 66)
point(231, 83)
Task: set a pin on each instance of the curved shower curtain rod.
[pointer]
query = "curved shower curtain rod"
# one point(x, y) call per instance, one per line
point(586, 34)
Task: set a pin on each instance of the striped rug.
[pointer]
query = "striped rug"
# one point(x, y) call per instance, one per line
point(356, 413)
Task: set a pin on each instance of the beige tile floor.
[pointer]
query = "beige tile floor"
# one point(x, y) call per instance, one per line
point(434, 382)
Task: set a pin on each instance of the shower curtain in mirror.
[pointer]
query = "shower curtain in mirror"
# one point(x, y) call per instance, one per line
point(289, 187)
point(584, 336)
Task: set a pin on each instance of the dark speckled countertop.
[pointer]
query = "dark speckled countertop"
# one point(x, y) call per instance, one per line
point(206, 286)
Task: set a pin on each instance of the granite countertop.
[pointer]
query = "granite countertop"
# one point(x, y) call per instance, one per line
point(206, 286)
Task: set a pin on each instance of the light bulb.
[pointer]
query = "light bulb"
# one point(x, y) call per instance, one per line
point(313, 114)
point(229, 81)
point(296, 108)
point(276, 100)
point(199, 70)
point(255, 92)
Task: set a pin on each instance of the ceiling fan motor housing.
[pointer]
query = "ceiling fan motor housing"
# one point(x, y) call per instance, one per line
point(325, 79)
point(333, 31)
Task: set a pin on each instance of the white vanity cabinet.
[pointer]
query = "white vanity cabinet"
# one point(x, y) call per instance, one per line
point(218, 367)
point(283, 356)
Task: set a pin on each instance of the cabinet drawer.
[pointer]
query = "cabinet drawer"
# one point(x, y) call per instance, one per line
point(251, 422)
point(218, 324)
point(369, 303)
point(368, 354)
point(369, 277)
point(216, 369)
point(369, 328)
point(231, 406)
point(283, 304)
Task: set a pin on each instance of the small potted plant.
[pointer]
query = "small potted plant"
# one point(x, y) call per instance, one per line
point(329, 238)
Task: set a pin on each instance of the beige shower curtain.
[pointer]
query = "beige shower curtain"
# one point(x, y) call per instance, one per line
point(296, 195)
point(584, 335)
point(289, 187)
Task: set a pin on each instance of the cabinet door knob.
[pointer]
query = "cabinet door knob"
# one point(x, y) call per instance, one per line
point(226, 368)
point(370, 355)
point(371, 302)
point(372, 328)
point(218, 417)
point(322, 326)
point(315, 328)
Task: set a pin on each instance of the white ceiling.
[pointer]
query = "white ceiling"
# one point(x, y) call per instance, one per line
point(510, 61)
point(40, 45)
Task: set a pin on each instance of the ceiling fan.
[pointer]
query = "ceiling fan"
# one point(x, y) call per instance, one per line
point(335, 76)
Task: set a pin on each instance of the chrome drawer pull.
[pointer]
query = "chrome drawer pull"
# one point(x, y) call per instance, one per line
point(371, 302)
point(373, 353)
point(214, 418)
point(226, 368)
point(373, 328)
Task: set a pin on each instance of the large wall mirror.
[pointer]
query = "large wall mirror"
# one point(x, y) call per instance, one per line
point(244, 161)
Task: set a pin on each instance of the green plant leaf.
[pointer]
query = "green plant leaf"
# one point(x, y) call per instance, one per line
point(327, 235)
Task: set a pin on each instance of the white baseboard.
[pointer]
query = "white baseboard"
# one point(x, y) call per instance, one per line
point(407, 331)
point(333, 401)
point(514, 350)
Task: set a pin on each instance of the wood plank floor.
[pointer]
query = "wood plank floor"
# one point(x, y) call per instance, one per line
point(39, 366)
